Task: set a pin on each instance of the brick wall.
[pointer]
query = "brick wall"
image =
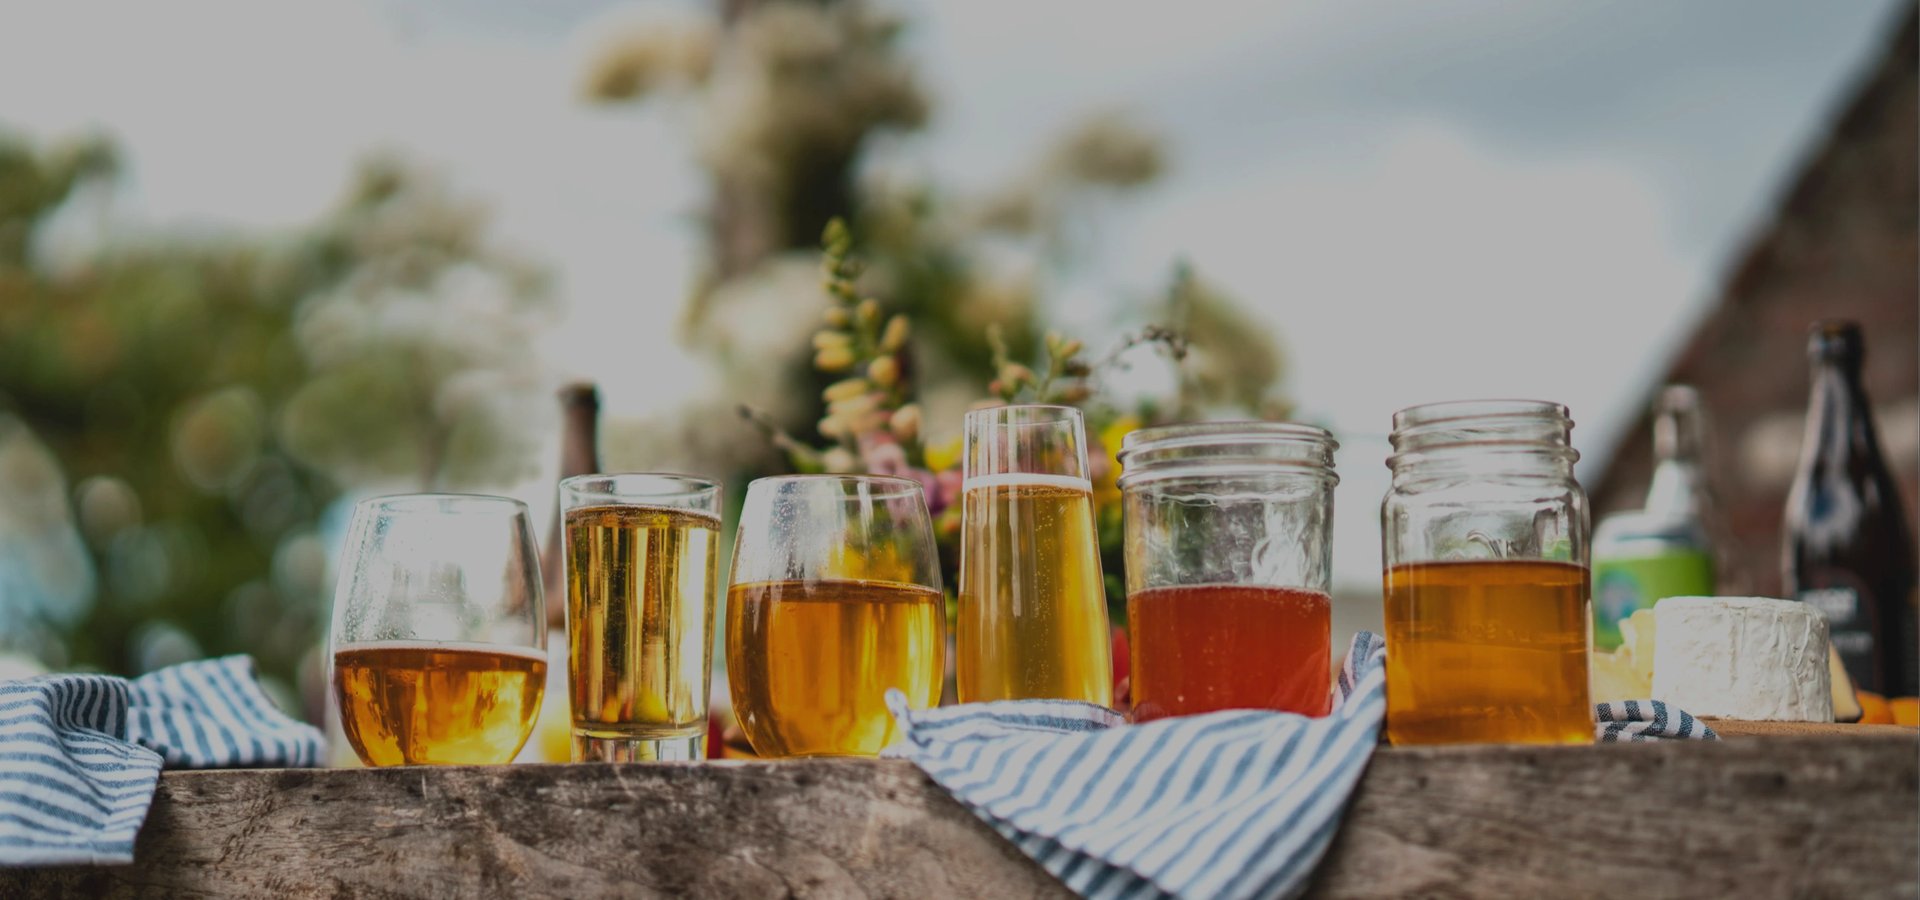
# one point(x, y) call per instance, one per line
point(1842, 243)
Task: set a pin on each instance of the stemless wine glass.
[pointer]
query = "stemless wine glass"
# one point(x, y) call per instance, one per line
point(835, 599)
point(439, 630)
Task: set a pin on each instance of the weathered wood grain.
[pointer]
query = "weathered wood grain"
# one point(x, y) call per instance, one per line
point(1780, 817)
point(1784, 817)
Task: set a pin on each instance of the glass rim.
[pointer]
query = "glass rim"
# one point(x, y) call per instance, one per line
point(1253, 430)
point(1454, 411)
point(1046, 414)
point(639, 485)
point(899, 486)
point(1519, 428)
point(437, 501)
point(1225, 450)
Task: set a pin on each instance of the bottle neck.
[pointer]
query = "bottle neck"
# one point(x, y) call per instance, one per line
point(579, 437)
point(1678, 487)
point(1840, 433)
point(579, 444)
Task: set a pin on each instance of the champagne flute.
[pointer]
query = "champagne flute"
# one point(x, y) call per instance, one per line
point(439, 635)
point(1033, 609)
point(835, 599)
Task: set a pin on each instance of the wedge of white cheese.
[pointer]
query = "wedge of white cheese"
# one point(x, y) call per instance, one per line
point(1753, 658)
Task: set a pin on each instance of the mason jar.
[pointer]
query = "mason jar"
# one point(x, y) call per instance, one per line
point(1229, 529)
point(1485, 541)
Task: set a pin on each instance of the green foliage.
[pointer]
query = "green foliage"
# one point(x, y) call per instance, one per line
point(206, 402)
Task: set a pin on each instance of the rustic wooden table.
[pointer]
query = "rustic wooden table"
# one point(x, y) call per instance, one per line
point(1786, 816)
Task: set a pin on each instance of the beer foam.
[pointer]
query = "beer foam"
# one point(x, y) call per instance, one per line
point(1027, 479)
point(437, 646)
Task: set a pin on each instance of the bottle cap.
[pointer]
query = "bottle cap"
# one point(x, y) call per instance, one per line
point(1836, 340)
point(580, 395)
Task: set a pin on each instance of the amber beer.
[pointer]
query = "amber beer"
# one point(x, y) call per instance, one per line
point(1033, 615)
point(639, 622)
point(810, 662)
point(1206, 647)
point(1487, 651)
point(415, 703)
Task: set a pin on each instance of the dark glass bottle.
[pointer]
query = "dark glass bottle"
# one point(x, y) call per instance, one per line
point(579, 455)
point(1847, 547)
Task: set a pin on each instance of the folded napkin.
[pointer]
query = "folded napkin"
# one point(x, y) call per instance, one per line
point(1230, 804)
point(82, 753)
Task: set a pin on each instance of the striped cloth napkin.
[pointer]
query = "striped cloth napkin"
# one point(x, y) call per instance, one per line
point(1230, 804)
point(82, 753)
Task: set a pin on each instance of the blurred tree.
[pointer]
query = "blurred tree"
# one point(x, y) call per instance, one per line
point(211, 398)
point(791, 99)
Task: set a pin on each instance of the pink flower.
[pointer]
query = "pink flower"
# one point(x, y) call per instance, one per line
point(946, 487)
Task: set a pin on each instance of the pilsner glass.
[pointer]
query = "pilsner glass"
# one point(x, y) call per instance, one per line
point(642, 559)
point(1033, 611)
point(439, 630)
point(1229, 554)
point(1487, 589)
point(835, 599)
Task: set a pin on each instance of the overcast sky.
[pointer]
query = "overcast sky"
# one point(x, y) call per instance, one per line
point(1428, 201)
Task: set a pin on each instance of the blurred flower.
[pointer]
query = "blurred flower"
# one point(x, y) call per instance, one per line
point(846, 389)
point(945, 455)
point(840, 460)
point(218, 436)
point(160, 643)
point(106, 504)
point(1103, 458)
point(905, 422)
point(833, 359)
point(895, 336)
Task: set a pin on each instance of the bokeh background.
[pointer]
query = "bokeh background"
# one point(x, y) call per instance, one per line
point(257, 261)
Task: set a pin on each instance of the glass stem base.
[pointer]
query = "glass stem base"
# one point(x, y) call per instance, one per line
point(587, 748)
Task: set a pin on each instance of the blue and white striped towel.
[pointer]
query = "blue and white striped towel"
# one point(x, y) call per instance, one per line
point(1229, 804)
point(82, 754)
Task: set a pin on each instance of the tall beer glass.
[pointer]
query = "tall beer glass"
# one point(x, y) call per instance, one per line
point(642, 559)
point(1033, 612)
point(439, 630)
point(835, 599)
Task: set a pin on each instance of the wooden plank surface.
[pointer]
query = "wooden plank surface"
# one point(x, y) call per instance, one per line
point(1737, 728)
point(1784, 817)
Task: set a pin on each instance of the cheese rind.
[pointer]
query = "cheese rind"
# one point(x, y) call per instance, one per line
point(1754, 658)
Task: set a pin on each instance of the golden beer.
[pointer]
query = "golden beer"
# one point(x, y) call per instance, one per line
point(810, 662)
point(410, 703)
point(639, 621)
point(1033, 612)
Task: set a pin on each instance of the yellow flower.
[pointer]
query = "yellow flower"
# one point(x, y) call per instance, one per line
point(884, 371)
point(906, 422)
point(840, 459)
point(896, 334)
point(845, 388)
point(1106, 488)
point(833, 359)
point(944, 455)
